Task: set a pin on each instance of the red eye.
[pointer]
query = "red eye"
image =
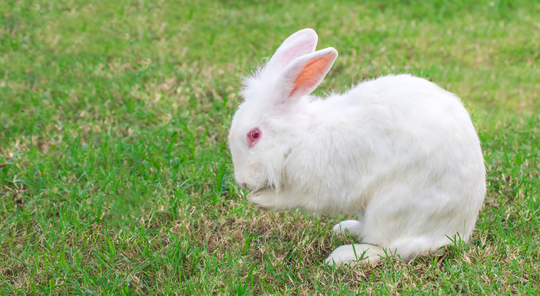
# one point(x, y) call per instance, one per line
point(253, 136)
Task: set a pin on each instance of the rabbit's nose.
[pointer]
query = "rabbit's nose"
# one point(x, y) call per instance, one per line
point(243, 185)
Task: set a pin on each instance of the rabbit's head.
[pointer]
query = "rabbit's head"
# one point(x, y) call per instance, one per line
point(272, 121)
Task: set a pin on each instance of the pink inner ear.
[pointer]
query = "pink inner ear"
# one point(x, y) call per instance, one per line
point(312, 73)
point(290, 54)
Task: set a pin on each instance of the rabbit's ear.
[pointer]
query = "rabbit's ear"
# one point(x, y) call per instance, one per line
point(297, 45)
point(304, 74)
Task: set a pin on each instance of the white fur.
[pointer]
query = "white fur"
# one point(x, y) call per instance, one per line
point(399, 151)
point(351, 226)
point(352, 253)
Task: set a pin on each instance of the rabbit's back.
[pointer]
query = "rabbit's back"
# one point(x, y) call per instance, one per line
point(404, 154)
point(398, 133)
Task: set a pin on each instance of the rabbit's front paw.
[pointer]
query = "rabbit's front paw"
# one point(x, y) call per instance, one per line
point(264, 199)
point(354, 254)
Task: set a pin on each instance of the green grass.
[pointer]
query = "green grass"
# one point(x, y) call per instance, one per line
point(113, 124)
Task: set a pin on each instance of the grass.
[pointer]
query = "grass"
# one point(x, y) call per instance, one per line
point(117, 179)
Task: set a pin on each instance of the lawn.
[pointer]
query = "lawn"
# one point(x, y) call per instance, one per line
point(117, 177)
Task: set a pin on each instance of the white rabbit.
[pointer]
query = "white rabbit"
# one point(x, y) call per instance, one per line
point(398, 151)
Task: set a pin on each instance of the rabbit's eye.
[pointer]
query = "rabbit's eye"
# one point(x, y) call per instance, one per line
point(253, 136)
